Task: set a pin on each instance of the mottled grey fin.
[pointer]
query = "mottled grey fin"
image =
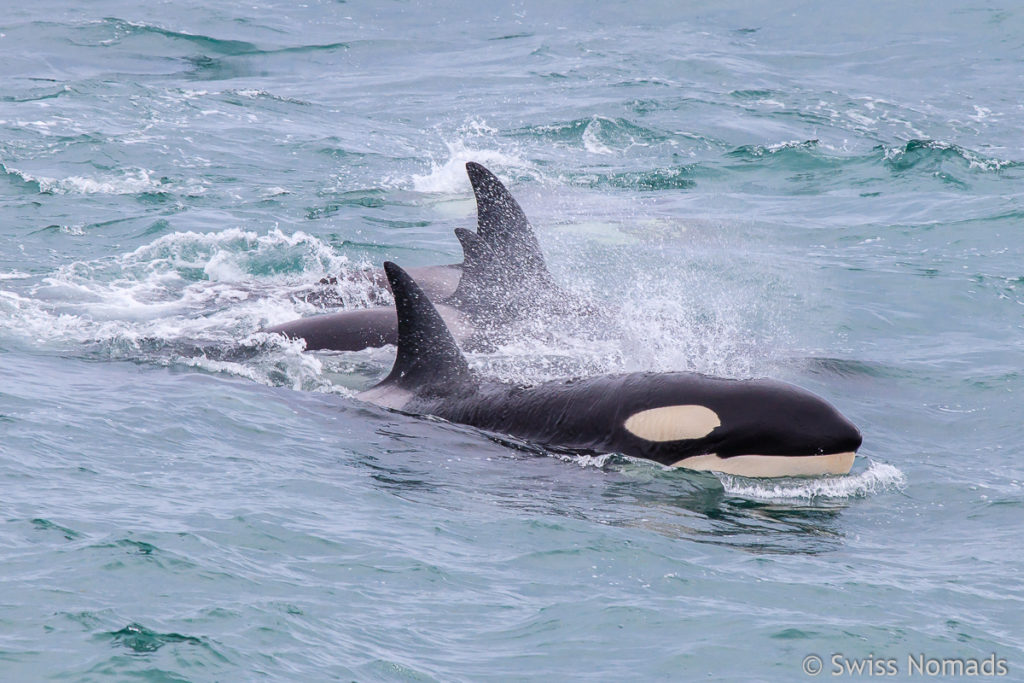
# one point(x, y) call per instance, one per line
point(478, 260)
point(475, 252)
point(427, 352)
point(501, 222)
point(505, 277)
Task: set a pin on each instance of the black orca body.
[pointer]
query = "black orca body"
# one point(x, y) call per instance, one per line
point(503, 277)
point(760, 428)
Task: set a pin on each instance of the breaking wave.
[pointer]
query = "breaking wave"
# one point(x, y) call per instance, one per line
point(193, 299)
point(135, 181)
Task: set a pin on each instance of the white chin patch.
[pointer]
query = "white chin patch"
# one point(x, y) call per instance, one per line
point(772, 465)
point(673, 423)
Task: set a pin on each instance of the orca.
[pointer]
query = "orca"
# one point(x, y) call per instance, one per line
point(756, 427)
point(503, 277)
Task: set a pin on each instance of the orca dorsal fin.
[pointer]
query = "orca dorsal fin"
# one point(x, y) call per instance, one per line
point(427, 352)
point(501, 222)
point(508, 277)
point(475, 252)
point(477, 262)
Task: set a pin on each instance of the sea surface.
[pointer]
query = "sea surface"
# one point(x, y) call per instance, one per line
point(831, 194)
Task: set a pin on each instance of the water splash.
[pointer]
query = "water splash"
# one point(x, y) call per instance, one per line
point(449, 176)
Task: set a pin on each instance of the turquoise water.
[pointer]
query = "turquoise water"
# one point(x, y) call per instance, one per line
point(832, 198)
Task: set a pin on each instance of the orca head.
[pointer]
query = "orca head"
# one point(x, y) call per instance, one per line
point(757, 428)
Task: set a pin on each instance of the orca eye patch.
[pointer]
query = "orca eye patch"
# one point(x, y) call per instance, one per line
point(673, 423)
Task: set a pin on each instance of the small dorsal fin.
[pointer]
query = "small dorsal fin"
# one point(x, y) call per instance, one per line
point(427, 352)
point(475, 252)
point(477, 263)
point(501, 222)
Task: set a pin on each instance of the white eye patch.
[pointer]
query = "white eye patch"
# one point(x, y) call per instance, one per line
point(673, 423)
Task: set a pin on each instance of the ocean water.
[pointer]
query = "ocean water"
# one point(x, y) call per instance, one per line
point(826, 194)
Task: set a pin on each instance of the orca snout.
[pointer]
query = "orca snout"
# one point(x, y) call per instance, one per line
point(773, 418)
point(847, 438)
point(820, 429)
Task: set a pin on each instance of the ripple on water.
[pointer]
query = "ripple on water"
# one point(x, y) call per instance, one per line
point(138, 638)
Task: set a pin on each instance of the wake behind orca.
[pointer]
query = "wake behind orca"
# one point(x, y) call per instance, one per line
point(760, 428)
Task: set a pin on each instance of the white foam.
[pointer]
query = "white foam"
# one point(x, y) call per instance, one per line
point(596, 461)
point(865, 121)
point(790, 144)
point(982, 113)
point(280, 358)
point(125, 182)
point(171, 301)
point(449, 176)
point(130, 181)
point(117, 325)
point(224, 266)
point(229, 255)
point(591, 142)
point(876, 478)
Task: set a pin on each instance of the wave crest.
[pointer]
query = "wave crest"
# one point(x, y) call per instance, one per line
point(931, 153)
point(127, 182)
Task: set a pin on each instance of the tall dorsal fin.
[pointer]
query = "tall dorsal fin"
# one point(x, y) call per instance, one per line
point(427, 352)
point(501, 222)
